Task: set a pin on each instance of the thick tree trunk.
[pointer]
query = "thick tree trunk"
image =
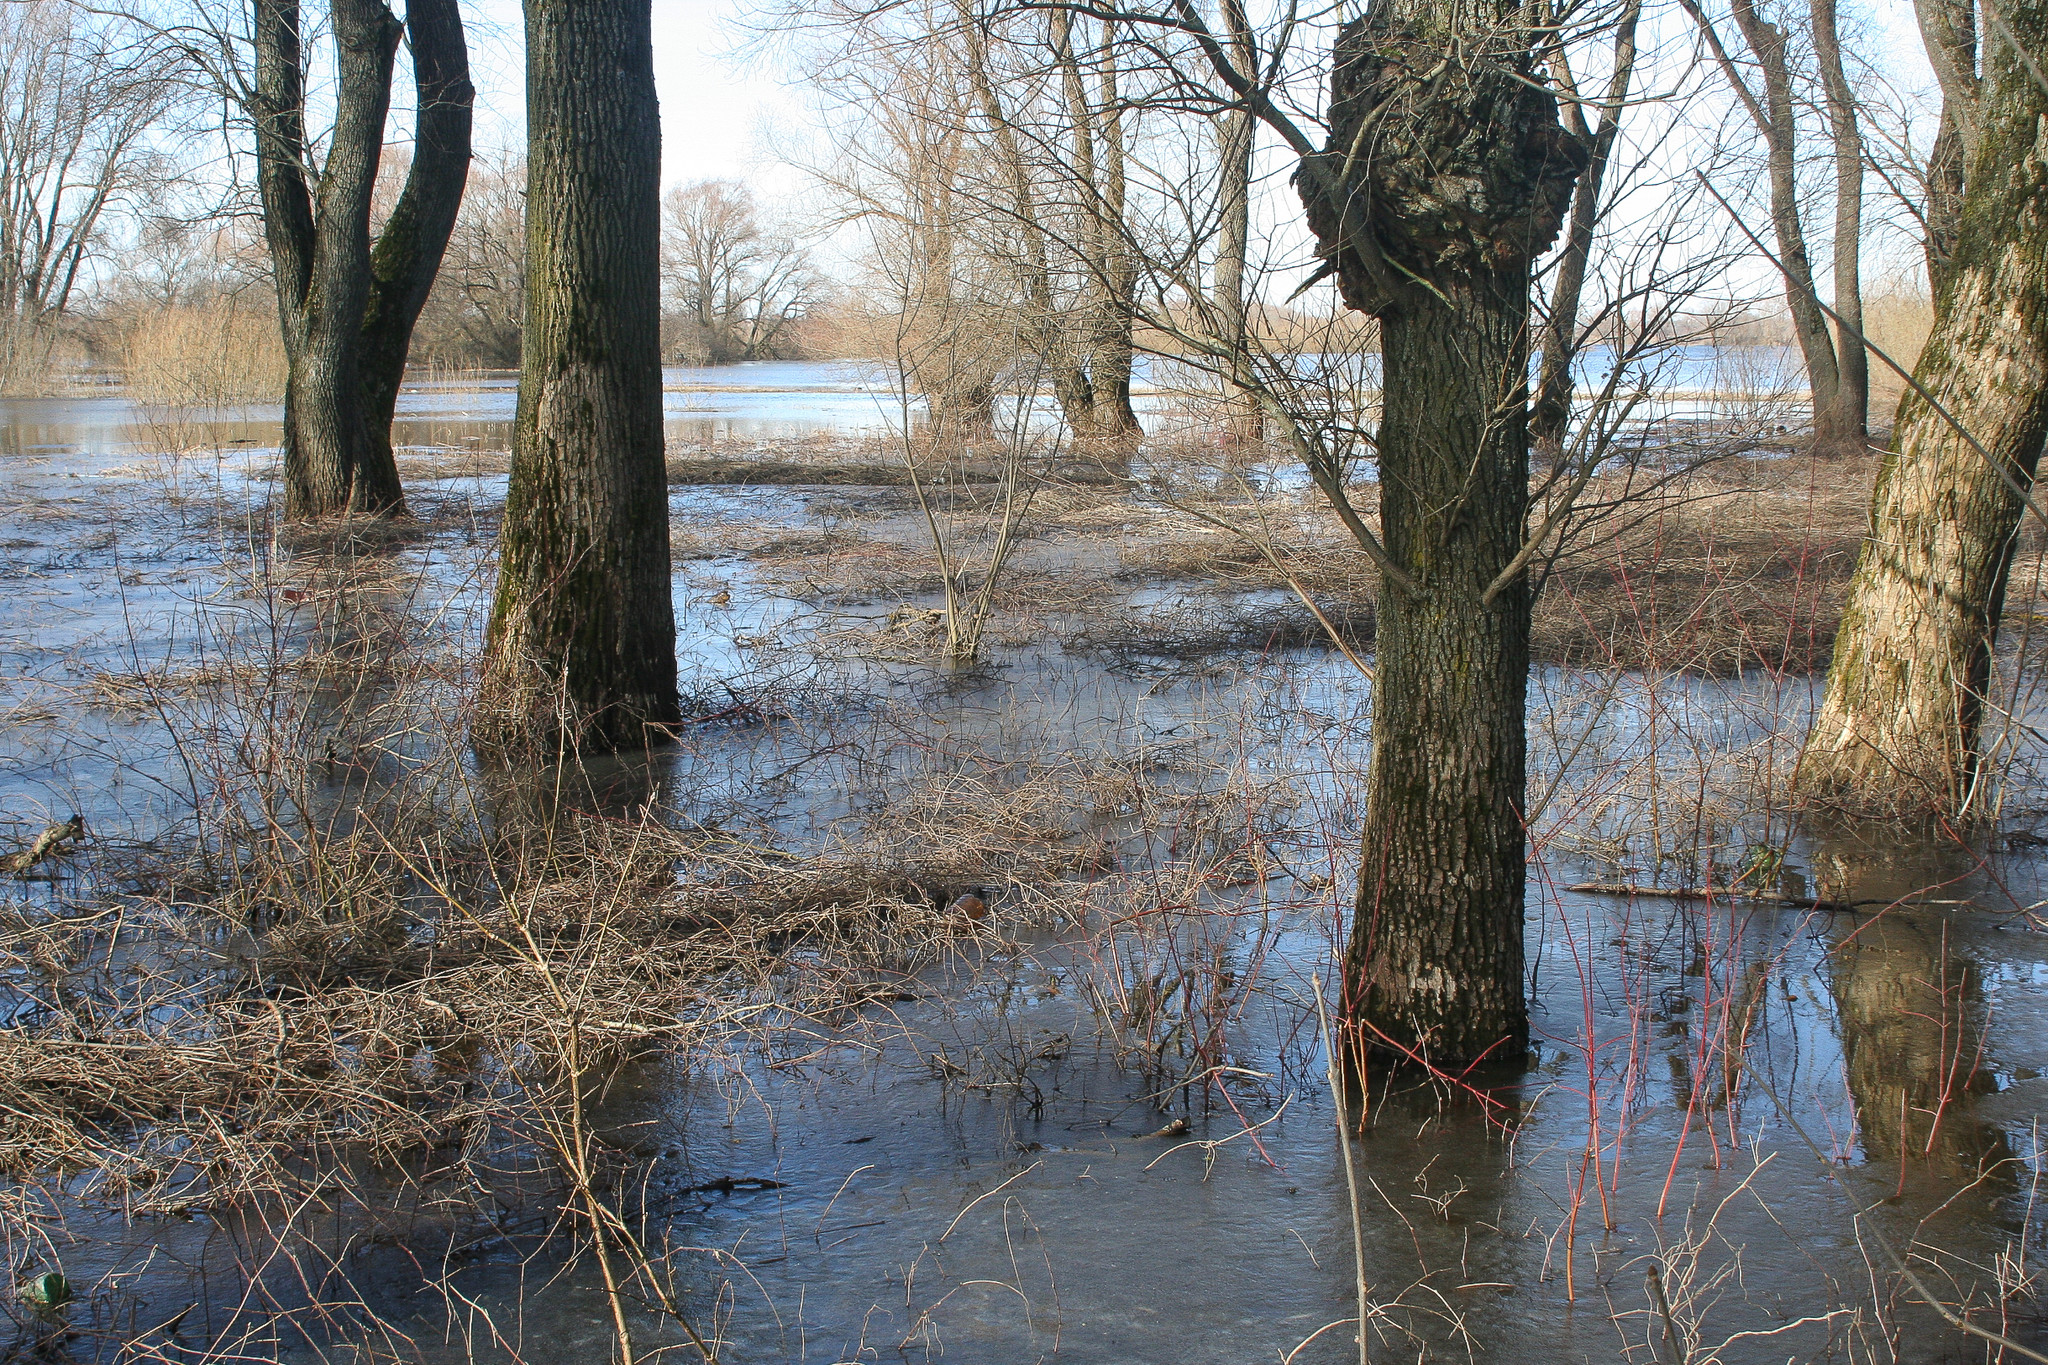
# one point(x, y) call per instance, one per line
point(347, 309)
point(1898, 725)
point(408, 252)
point(1436, 950)
point(1433, 231)
point(320, 249)
point(581, 645)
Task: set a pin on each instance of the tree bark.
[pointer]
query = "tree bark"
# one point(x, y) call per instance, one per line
point(1244, 420)
point(1852, 400)
point(581, 646)
point(347, 309)
point(1899, 722)
point(1948, 29)
point(1446, 172)
point(1116, 420)
point(320, 247)
point(409, 250)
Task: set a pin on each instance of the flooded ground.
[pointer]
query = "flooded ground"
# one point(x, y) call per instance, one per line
point(1097, 1124)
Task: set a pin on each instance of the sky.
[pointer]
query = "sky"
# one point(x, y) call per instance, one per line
point(723, 115)
point(732, 110)
point(730, 113)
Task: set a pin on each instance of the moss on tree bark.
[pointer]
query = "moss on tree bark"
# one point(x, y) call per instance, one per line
point(1906, 692)
point(581, 644)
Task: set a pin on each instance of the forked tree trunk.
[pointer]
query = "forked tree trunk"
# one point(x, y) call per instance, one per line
point(408, 252)
point(320, 249)
point(581, 648)
point(1840, 413)
point(1464, 177)
point(1906, 691)
point(347, 310)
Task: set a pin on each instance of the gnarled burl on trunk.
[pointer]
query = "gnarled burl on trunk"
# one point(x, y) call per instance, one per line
point(1446, 174)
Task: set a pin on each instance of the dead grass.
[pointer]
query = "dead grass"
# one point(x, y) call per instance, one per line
point(1740, 565)
point(362, 949)
point(205, 355)
point(1898, 321)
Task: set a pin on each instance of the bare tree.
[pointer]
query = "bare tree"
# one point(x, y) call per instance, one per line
point(346, 302)
point(1907, 689)
point(1236, 134)
point(1094, 128)
point(473, 314)
point(1835, 366)
point(1032, 176)
point(1550, 408)
point(940, 302)
point(739, 286)
point(78, 96)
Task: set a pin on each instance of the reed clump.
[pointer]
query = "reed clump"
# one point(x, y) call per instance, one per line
point(215, 353)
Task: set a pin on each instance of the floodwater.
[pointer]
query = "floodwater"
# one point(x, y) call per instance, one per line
point(1745, 1133)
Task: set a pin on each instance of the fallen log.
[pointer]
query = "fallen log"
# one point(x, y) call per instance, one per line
point(1699, 893)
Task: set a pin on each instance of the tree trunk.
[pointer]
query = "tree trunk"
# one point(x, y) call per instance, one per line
point(1898, 725)
point(1435, 962)
point(1948, 29)
point(1055, 349)
point(581, 645)
point(1243, 420)
point(1852, 400)
point(1433, 232)
point(1116, 420)
point(1781, 136)
point(320, 248)
point(1944, 199)
point(1776, 122)
point(408, 252)
point(347, 309)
